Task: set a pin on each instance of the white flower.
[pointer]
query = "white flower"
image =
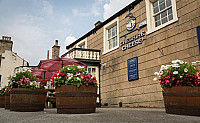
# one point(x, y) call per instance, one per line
point(175, 72)
point(80, 67)
point(181, 76)
point(68, 69)
point(175, 65)
point(174, 61)
point(78, 78)
point(194, 63)
point(160, 72)
point(185, 70)
point(156, 73)
point(155, 79)
point(181, 62)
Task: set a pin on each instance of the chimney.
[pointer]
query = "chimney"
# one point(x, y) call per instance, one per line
point(5, 44)
point(55, 50)
point(97, 23)
point(47, 54)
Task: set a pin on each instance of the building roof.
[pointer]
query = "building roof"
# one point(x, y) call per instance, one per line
point(128, 7)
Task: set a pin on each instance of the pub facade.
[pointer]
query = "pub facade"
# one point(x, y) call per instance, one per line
point(125, 50)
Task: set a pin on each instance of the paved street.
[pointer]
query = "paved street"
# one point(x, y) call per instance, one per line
point(113, 115)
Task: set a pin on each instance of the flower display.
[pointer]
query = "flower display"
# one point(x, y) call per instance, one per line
point(178, 73)
point(73, 75)
point(5, 90)
point(25, 80)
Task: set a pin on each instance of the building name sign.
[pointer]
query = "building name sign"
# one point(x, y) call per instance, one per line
point(133, 41)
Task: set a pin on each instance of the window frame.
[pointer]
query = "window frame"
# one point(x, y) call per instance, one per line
point(81, 43)
point(106, 42)
point(150, 16)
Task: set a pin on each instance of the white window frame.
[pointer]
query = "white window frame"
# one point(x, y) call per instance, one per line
point(84, 41)
point(150, 19)
point(105, 39)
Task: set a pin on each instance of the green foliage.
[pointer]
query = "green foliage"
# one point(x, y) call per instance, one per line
point(73, 75)
point(27, 74)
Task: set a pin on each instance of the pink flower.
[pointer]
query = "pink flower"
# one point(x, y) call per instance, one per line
point(173, 78)
point(167, 81)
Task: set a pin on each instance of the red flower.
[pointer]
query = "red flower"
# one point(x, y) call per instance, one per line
point(188, 75)
point(61, 74)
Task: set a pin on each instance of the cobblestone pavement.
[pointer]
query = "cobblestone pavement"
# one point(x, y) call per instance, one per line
point(104, 115)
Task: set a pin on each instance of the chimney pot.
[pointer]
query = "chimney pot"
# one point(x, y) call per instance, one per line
point(47, 54)
point(56, 42)
point(98, 23)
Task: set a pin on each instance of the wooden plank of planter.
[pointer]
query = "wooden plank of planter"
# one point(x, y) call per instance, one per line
point(182, 100)
point(71, 99)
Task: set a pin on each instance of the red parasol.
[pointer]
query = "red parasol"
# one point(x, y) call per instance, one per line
point(46, 68)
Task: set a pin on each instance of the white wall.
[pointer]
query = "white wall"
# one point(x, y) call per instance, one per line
point(9, 62)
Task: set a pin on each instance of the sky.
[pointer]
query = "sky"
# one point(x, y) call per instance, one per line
point(34, 25)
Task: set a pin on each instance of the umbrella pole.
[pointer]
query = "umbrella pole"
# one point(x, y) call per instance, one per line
point(44, 74)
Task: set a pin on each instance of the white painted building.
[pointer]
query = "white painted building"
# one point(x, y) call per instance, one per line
point(8, 61)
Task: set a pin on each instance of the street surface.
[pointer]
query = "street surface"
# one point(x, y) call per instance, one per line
point(102, 115)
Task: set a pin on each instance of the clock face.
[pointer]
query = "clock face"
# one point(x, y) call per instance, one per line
point(130, 24)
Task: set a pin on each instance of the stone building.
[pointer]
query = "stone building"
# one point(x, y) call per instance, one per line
point(8, 60)
point(134, 43)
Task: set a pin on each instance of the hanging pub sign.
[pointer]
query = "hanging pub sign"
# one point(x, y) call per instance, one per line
point(132, 65)
point(136, 39)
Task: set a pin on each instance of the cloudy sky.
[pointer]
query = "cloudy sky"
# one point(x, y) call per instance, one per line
point(34, 25)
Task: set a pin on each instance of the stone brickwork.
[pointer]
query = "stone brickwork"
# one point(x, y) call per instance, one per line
point(5, 44)
point(55, 50)
point(177, 41)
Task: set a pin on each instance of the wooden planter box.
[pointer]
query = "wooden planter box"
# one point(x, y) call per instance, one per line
point(7, 101)
point(184, 100)
point(27, 100)
point(2, 99)
point(73, 100)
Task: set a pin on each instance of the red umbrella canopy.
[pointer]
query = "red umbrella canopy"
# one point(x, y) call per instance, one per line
point(46, 68)
point(42, 74)
point(57, 63)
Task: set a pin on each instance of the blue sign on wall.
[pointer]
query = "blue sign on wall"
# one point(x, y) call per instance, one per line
point(132, 69)
point(198, 36)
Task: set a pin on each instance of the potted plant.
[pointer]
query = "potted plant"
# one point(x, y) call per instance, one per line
point(76, 90)
point(7, 96)
point(2, 98)
point(26, 94)
point(180, 86)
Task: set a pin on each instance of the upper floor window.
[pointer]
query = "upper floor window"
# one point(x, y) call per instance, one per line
point(160, 13)
point(111, 36)
point(82, 44)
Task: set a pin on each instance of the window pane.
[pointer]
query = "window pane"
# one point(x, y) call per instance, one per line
point(161, 1)
point(89, 70)
point(157, 17)
point(162, 6)
point(155, 10)
point(158, 23)
point(170, 17)
point(93, 70)
point(155, 4)
point(109, 33)
point(168, 3)
point(116, 41)
point(163, 14)
point(169, 11)
point(164, 20)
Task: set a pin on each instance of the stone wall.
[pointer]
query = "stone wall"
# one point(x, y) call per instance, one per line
point(5, 45)
point(177, 41)
point(9, 62)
